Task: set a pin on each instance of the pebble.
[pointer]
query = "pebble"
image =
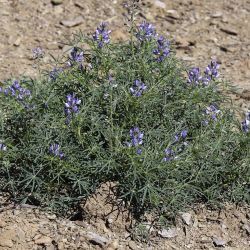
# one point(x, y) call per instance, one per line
point(72, 23)
point(217, 14)
point(97, 239)
point(168, 233)
point(6, 243)
point(173, 14)
point(218, 242)
point(159, 4)
point(113, 245)
point(43, 240)
point(132, 245)
point(247, 228)
point(229, 31)
point(187, 218)
point(56, 2)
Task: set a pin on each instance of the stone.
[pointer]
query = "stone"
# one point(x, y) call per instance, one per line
point(17, 42)
point(217, 14)
point(173, 14)
point(168, 233)
point(6, 243)
point(132, 245)
point(73, 22)
point(159, 4)
point(51, 216)
point(246, 227)
point(218, 242)
point(43, 240)
point(186, 218)
point(229, 31)
point(113, 245)
point(97, 239)
point(56, 2)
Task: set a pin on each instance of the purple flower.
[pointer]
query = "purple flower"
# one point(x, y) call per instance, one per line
point(246, 123)
point(169, 154)
point(194, 77)
point(101, 35)
point(145, 32)
point(16, 90)
point(54, 73)
point(71, 106)
point(55, 150)
point(139, 151)
point(37, 53)
point(212, 70)
point(136, 136)
point(138, 88)
point(183, 135)
point(76, 56)
point(163, 49)
point(3, 147)
point(212, 112)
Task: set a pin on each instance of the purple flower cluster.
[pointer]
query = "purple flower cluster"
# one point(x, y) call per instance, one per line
point(55, 73)
point(76, 56)
point(194, 76)
point(71, 106)
point(3, 147)
point(17, 91)
point(146, 32)
point(211, 70)
point(211, 112)
point(136, 137)
point(37, 53)
point(138, 88)
point(163, 49)
point(179, 139)
point(101, 35)
point(210, 73)
point(55, 150)
point(169, 154)
point(246, 123)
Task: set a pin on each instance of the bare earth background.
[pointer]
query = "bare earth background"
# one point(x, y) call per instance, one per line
point(202, 29)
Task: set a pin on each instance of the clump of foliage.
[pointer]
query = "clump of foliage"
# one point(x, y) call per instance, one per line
point(129, 113)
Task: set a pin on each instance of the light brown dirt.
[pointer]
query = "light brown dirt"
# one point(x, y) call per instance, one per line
point(202, 29)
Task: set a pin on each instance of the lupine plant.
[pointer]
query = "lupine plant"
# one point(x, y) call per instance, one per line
point(129, 113)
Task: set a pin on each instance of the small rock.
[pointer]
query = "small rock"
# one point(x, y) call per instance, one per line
point(2, 224)
point(247, 228)
point(168, 233)
point(56, 2)
point(97, 239)
point(173, 14)
point(159, 4)
point(245, 94)
point(187, 218)
point(17, 42)
point(132, 245)
point(204, 240)
point(113, 245)
point(6, 243)
point(51, 216)
point(219, 242)
point(44, 240)
point(217, 14)
point(58, 9)
point(229, 31)
point(81, 223)
point(74, 22)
